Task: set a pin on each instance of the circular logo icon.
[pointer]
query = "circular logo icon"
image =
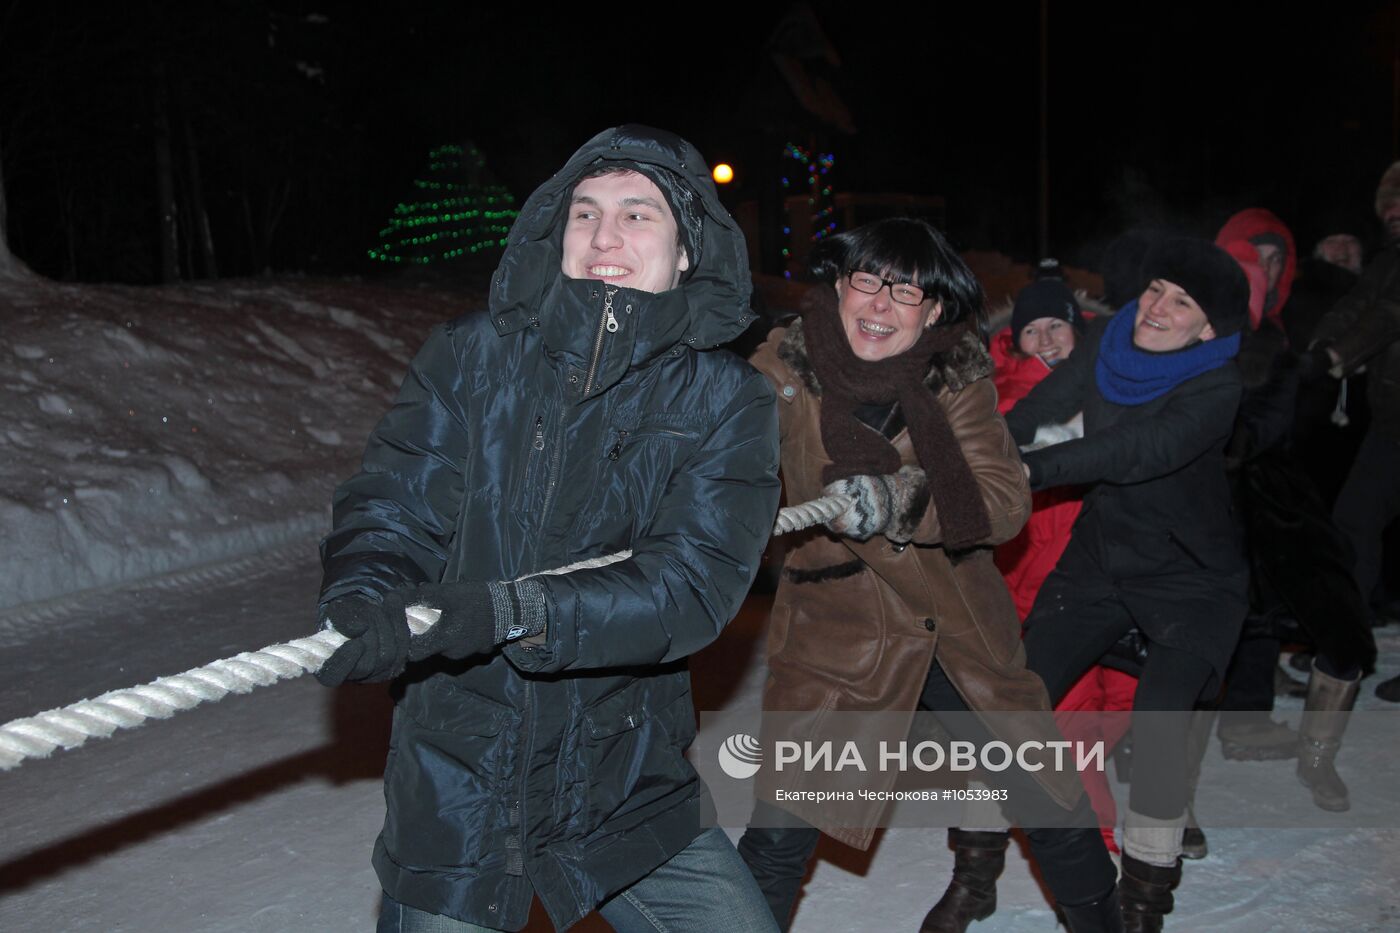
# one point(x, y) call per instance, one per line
point(740, 756)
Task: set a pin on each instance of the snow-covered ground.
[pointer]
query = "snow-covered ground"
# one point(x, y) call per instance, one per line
point(148, 430)
point(165, 467)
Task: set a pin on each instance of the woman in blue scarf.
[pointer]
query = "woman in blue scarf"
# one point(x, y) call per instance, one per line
point(1155, 546)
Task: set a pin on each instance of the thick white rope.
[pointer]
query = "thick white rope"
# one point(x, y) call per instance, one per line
point(70, 726)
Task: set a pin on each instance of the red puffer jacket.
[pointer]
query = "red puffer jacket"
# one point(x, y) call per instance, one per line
point(1027, 559)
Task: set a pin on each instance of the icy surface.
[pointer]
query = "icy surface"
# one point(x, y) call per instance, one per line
point(207, 428)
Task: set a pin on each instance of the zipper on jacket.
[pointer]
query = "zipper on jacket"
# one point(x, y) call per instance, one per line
point(552, 480)
point(617, 448)
point(529, 467)
point(607, 324)
point(515, 842)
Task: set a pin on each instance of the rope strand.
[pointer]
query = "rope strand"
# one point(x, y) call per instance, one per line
point(70, 726)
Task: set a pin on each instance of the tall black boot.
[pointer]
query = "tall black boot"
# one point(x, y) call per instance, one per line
point(978, 860)
point(1325, 716)
point(1102, 916)
point(1145, 894)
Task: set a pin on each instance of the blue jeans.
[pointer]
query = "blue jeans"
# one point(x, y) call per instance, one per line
point(704, 887)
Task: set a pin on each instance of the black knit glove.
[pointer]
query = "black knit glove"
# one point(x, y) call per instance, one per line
point(891, 505)
point(378, 635)
point(475, 617)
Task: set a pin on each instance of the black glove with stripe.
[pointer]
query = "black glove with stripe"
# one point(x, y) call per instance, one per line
point(475, 617)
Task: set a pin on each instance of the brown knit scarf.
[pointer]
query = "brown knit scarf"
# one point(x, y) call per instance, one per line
point(847, 381)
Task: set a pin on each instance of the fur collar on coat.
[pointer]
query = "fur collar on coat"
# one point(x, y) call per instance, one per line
point(953, 370)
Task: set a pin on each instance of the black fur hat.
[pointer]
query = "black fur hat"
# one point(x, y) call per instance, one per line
point(1208, 274)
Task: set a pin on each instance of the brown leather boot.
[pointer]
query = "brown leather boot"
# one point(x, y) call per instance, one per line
point(1145, 894)
point(978, 860)
point(1325, 716)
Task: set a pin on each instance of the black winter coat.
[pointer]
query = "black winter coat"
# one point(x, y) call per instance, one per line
point(1364, 330)
point(557, 767)
point(1156, 528)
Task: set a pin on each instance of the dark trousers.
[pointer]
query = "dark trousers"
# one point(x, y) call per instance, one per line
point(1368, 502)
point(1299, 561)
point(1062, 648)
point(1071, 856)
point(1249, 682)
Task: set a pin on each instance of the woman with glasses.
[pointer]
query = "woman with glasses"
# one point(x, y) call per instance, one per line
point(886, 398)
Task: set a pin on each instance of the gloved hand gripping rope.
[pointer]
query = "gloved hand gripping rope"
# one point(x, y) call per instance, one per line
point(71, 726)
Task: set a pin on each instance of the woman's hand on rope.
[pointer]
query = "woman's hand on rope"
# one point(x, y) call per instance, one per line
point(891, 505)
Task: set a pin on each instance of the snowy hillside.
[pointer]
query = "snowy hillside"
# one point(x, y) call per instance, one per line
point(147, 430)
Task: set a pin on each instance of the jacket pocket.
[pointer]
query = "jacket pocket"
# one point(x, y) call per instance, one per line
point(444, 785)
point(835, 628)
point(635, 754)
point(638, 456)
point(986, 609)
point(629, 434)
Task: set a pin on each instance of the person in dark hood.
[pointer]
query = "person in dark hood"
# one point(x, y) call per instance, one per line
point(1363, 331)
point(1328, 424)
point(540, 725)
point(1298, 561)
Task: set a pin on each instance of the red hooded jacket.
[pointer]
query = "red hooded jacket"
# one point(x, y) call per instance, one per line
point(1241, 229)
point(1027, 559)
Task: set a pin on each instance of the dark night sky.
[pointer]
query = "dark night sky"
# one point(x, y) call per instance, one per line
point(1180, 118)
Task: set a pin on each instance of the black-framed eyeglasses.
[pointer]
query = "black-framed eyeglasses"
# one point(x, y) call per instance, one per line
point(870, 284)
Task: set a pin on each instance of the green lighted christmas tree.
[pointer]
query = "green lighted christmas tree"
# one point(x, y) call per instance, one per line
point(459, 210)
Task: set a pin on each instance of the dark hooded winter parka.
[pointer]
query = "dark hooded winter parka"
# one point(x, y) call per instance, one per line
point(528, 440)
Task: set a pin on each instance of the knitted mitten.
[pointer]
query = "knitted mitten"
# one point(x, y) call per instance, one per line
point(892, 504)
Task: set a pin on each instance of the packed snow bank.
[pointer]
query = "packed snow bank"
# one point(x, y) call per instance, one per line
point(147, 430)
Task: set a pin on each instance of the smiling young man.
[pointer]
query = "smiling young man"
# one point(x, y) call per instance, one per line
point(621, 232)
point(540, 726)
point(1155, 546)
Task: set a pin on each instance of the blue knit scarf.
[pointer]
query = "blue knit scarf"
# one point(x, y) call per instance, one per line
point(1128, 375)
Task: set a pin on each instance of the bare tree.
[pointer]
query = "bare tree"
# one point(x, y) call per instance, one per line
point(10, 265)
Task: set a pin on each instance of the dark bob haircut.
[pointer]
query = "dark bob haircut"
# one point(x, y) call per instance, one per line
point(905, 250)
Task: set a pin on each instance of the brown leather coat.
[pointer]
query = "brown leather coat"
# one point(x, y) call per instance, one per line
point(856, 625)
